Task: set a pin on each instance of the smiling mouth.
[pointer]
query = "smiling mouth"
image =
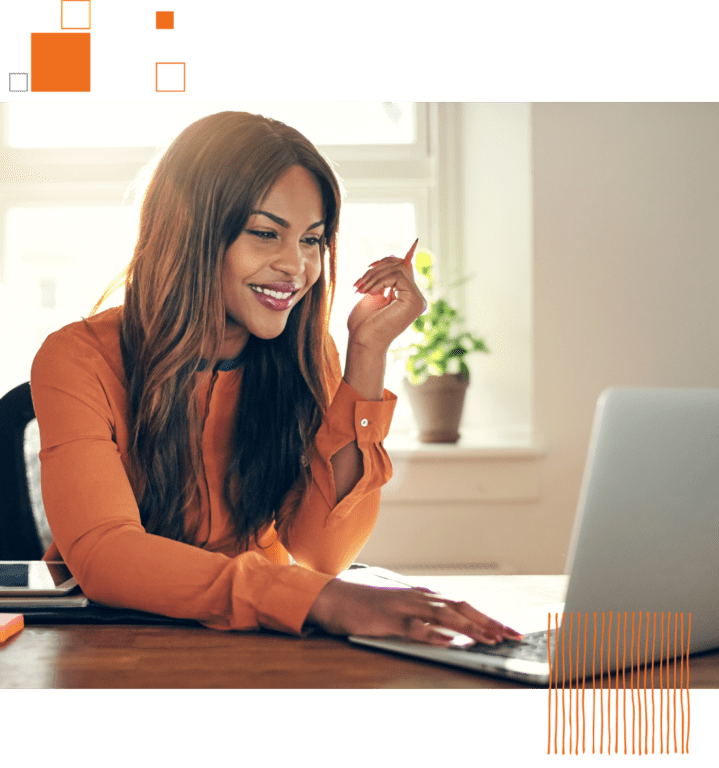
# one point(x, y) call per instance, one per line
point(281, 293)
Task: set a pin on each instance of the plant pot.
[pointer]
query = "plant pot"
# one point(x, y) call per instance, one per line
point(437, 406)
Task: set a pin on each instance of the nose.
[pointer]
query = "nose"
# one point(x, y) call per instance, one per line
point(289, 259)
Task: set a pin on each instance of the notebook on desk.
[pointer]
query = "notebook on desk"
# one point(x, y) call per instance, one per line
point(77, 608)
point(643, 554)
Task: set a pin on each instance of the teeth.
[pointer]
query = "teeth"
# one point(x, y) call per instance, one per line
point(274, 294)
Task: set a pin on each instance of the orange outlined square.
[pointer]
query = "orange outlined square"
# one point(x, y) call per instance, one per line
point(89, 10)
point(159, 64)
point(164, 20)
point(60, 61)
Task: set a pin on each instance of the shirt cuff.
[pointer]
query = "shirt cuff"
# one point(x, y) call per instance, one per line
point(352, 417)
point(284, 605)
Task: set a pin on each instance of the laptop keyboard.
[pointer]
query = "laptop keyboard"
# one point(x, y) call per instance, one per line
point(533, 647)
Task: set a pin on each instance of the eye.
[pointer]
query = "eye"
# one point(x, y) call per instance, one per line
point(312, 240)
point(262, 234)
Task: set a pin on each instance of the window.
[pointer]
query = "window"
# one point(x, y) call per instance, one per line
point(66, 228)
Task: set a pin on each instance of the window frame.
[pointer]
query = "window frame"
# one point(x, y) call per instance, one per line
point(415, 173)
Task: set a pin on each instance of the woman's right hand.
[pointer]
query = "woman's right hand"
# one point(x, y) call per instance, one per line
point(344, 608)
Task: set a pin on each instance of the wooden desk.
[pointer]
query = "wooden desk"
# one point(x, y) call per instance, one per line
point(144, 656)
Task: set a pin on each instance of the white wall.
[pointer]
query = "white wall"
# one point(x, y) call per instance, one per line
point(626, 273)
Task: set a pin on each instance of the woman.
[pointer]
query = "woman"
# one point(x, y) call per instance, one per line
point(202, 454)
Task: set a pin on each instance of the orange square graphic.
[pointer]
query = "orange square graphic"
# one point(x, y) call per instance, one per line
point(159, 64)
point(60, 61)
point(164, 20)
point(89, 14)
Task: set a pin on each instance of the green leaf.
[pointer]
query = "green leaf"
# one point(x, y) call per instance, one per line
point(440, 340)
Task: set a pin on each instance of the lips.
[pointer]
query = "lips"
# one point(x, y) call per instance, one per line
point(276, 303)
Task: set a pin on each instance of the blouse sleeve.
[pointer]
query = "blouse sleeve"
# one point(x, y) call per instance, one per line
point(327, 536)
point(94, 517)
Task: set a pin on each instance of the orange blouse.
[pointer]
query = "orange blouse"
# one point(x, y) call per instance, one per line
point(79, 394)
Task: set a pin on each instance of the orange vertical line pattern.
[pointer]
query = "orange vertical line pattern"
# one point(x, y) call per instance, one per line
point(641, 663)
point(569, 650)
point(674, 714)
point(584, 675)
point(601, 691)
point(661, 690)
point(576, 688)
point(594, 666)
point(624, 680)
point(616, 700)
point(549, 687)
point(556, 675)
point(669, 630)
point(564, 621)
point(631, 679)
point(654, 642)
point(681, 679)
point(646, 695)
point(689, 637)
point(639, 693)
point(579, 629)
point(609, 686)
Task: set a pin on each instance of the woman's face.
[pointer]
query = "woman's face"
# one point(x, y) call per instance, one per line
point(274, 262)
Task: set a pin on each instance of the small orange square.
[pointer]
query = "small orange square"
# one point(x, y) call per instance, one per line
point(164, 20)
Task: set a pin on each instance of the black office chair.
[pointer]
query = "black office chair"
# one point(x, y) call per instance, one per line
point(24, 532)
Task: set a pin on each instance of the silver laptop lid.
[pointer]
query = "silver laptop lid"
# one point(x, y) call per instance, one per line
point(646, 533)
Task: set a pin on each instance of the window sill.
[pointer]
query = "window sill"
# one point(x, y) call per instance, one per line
point(478, 468)
point(472, 444)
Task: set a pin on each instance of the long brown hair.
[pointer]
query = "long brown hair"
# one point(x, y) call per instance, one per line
point(197, 203)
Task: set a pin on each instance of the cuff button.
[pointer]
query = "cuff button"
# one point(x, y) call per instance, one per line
point(364, 422)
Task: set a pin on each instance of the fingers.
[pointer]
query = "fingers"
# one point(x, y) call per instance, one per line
point(345, 608)
point(491, 626)
point(462, 617)
point(422, 632)
point(381, 275)
point(397, 279)
point(445, 615)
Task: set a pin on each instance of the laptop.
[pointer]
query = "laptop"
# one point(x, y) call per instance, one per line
point(643, 547)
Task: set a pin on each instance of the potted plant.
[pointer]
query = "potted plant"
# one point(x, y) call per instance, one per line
point(437, 374)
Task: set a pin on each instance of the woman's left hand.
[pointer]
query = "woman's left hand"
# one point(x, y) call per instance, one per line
point(377, 320)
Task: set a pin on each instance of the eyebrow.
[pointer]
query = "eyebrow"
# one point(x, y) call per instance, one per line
point(283, 222)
